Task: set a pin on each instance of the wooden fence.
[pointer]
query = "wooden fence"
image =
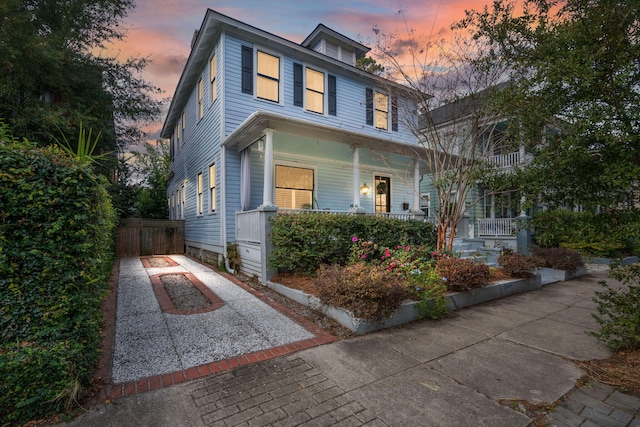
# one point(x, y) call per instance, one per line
point(140, 237)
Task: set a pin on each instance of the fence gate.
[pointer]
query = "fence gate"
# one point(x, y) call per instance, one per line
point(140, 237)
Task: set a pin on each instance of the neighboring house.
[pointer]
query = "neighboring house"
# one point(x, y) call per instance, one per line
point(488, 215)
point(260, 124)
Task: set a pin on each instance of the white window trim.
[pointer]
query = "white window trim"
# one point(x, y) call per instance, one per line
point(313, 167)
point(213, 79)
point(262, 49)
point(375, 110)
point(199, 194)
point(215, 181)
point(325, 95)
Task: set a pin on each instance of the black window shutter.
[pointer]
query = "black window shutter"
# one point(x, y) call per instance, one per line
point(394, 113)
point(369, 106)
point(247, 70)
point(297, 85)
point(333, 96)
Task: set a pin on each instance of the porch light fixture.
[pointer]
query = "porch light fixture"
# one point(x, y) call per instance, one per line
point(364, 189)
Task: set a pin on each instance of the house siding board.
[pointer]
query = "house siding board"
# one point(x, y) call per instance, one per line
point(350, 98)
point(201, 148)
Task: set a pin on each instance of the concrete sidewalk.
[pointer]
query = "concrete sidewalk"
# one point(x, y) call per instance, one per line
point(478, 367)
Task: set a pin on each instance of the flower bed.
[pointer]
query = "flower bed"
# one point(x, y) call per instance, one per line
point(409, 310)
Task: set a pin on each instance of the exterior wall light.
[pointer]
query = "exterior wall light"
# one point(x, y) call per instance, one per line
point(364, 189)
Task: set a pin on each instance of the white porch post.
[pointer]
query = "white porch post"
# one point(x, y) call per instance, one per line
point(356, 177)
point(267, 191)
point(416, 185)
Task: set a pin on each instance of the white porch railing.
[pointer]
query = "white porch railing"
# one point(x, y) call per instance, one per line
point(497, 227)
point(248, 226)
point(507, 160)
point(390, 215)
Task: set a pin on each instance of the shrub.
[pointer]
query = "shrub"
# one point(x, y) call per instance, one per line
point(463, 274)
point(426, 287)
point(619, 310)
point(609, 234)
point(518, 265)
point(305, 241)
point(56, 255)
point(369, 293)
point(558, 258)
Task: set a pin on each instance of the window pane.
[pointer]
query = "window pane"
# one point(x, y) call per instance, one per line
point(296, 178)
point(382, 120)
point(382, 102)
point(315, 102)
point(315, 80)
point(268, 65)
point(267, 89)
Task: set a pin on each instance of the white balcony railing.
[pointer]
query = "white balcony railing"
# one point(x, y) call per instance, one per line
point(497, 227)
point(506, 161)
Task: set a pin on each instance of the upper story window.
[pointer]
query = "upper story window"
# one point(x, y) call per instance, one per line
point(183, 125)
point(381, 114)
point(314, 91)
point(378, 109)
point(268, 77)
point(200, 104)
point(212, 77)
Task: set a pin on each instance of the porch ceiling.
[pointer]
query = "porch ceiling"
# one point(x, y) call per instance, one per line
point(255, 125)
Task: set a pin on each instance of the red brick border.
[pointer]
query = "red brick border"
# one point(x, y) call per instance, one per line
point(111, 391)
point(147, 264)
point(166, 304)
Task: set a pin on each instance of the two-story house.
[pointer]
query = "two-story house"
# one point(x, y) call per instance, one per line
point(260, 124)
point(469, 127)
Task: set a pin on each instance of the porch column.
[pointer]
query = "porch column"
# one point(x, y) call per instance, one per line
point(356, 177)
point(416, 185)
point(267, 190)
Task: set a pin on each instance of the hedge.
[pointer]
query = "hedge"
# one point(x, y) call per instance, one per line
point(56, 254)
point(303, 242)
point(612, 233)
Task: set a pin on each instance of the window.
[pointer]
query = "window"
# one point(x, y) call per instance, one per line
point(212, 187)
point(182, 201)
point(315, 91)
point(200, 106)
point(381, 105)
point(183, 122)
point(294, 187)
point(172, 206)
point(212, 77)
point(199, 199)
point(425, 203)
point(383, 193)
point(268, 77)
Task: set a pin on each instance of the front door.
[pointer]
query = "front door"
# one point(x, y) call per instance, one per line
point(383, 193)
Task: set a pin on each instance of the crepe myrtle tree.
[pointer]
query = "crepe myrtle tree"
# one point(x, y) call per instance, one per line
point(456, 125)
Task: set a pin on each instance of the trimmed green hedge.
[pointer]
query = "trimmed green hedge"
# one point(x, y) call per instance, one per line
point(303, 242)
point(56, 254)
point(607, 234)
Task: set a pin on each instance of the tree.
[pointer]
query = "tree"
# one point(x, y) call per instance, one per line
point(153, 167)
point(51, 79)
point(575, 67)
point(369, 65)
point(456, 124)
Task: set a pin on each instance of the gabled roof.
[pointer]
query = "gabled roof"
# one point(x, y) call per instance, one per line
point(215, 23)
point(322, 31)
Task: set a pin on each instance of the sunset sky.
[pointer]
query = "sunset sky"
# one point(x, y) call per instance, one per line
point(162, 29)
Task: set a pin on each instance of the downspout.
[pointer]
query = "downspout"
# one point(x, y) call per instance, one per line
point(223, 224)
